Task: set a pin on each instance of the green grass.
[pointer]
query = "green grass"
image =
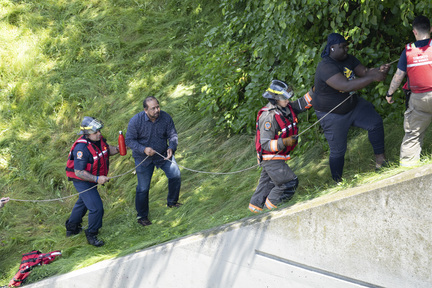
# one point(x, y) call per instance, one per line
point(62, 60)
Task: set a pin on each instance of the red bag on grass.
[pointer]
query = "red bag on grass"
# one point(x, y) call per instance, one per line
point(30, 260)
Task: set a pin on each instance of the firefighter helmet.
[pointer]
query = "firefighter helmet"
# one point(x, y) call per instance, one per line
point(90, 125)
point(278, 90)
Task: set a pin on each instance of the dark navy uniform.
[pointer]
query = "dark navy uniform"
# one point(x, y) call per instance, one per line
point(89, 200)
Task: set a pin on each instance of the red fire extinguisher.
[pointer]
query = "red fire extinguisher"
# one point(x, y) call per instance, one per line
point(122, 144)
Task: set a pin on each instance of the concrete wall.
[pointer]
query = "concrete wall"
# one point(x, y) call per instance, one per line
point(376, 235)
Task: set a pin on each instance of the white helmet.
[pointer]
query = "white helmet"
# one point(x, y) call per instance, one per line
point(278, 90)
point(90, 125)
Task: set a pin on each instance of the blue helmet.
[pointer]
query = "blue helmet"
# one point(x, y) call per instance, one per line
point(278, 90)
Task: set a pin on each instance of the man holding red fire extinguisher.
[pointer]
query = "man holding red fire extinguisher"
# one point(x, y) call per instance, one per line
point(87, 166)
point(152, 133)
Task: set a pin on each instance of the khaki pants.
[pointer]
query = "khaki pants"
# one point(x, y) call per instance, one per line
point(417, 118)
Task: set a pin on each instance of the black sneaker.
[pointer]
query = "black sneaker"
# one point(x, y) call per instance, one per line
point(93, 240)
point(144, 221)
point(176, 205)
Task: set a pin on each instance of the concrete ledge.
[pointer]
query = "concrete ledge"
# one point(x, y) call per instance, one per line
point(376, 235)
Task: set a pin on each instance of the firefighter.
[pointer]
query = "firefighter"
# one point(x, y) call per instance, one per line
point(87, 166)
point(276, 137)
point(415, 63)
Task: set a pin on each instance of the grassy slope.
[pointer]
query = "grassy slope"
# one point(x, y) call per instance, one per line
point(62, 60)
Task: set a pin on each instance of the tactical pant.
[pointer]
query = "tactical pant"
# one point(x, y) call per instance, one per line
point(417, 118)
point(277, 183)
point(336, 126)
point(91, 201)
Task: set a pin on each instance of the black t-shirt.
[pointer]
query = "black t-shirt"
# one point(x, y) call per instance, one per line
point(325, 97)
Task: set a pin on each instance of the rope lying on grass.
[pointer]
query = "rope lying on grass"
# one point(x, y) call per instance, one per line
point(192, 170)
point(62, 198)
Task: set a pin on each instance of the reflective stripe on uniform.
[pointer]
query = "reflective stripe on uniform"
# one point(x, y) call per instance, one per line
point(270, 205)
point(308, 99)
point(254, 209)
point(273, 145)
point(275, 157)
point(420, 64)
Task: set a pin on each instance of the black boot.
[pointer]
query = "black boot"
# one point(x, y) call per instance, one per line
point(72, 228)
point(93, 240)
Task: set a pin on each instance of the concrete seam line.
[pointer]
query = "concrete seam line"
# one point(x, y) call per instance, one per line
point(314, 269)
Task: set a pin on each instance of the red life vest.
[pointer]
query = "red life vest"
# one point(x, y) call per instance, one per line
point(30, 260)
point(419, 67)
point(286, 129)
point(99, 167)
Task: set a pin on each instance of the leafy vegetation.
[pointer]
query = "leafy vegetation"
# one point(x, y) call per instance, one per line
point(261, 40)
point(63, 60)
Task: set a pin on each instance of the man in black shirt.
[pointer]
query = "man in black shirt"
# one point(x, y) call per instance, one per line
point(337, 77)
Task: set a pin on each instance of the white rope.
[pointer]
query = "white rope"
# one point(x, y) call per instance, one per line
point(246, 169)
point(206, 172)
point(316, 122)
point(192, 170)
point(62, 198)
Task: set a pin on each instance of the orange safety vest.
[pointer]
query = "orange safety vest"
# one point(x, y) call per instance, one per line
point(419, 67)
point(100, 164)
point(286, 129)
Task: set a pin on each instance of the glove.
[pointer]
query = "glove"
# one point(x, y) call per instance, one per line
point(290, 141)
point(308, 97)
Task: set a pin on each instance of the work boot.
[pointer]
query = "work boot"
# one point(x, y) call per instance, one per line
point(72, 228)
point(93, 240)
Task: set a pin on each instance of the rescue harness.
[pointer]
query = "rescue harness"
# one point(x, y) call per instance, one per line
point(288, 127)
point(100, 164)
point(29, 261)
